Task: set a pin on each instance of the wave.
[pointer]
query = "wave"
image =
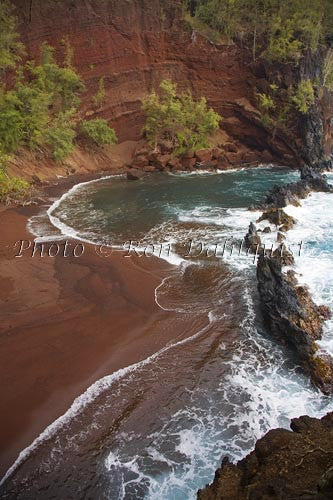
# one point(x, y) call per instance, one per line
point(90, 395)
point(314, 229)
point(260, 390)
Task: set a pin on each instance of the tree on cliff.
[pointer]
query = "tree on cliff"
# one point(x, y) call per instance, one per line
point(279, 29)
point(180, 118)
point(40, 106)
point(11, 49)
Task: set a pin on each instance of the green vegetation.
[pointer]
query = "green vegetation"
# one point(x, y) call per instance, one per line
point(40, 107)
point(11, 49)
point(34, 106)
point(98, 131)
point(277, 29)
point(304, 96)
point(328, 70)
point(11, 188)
point(60, 136)
point(99, 98)
point(196, 24)
point(266, 102)
point(187, 122)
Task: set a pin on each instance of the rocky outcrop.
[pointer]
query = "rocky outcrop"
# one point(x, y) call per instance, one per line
point(134, 44)
point(252, 239)
point(309, 134)
point(285, 465)
point(294, 318)
point(164, 159)
point(134, 174)
point(290, 194)
point(288, 309)
point(278, 217)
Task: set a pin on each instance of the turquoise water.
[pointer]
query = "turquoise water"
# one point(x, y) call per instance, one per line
point(119, 210)
point(158, 429)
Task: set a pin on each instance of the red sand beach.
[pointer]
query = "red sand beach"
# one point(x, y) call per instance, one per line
point(66, 322)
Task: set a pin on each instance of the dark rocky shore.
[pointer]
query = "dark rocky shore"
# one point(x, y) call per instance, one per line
point(288, 309)
point(285, 464)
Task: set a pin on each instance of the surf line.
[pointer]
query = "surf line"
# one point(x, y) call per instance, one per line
point(89, 396)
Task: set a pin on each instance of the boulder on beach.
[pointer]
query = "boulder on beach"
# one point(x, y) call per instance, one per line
point(134, 174)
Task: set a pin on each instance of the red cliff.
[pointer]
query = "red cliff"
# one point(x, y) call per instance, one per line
point(134, 44)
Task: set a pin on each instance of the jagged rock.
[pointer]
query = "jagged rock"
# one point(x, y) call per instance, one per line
point(134, 174)
point(209, 164)
point(250, 157)
point(230, 147)
point(252, 240)
point(161, 161)
point(325, 483)
point(188, 154)
point(166, 147)
point(325, 312)
point(290, 194)
point(280, 236)
point(204, 155)
point(217, 154)
point(316, 180)
point(188, 163)
point(141, 151)
point(174, 163)
point(152, 156)
point(284, 256)
point(149, 168)
point(267, 230)
point(285, 465)
point(294, 318)
point(278, 217)
point(140, 161)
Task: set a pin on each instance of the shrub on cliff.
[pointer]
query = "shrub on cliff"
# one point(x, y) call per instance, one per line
point(98, 131)
point(304, 96)
point(12, 189)
point(277, 29)
point(11, 49)
point(60, 136)
point(39, 106)
point(99, 98)
point(180, 118)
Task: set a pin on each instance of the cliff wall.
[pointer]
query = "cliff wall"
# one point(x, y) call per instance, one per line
point(134, 44)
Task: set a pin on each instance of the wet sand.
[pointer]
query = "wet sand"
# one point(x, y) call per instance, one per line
point(64, 323)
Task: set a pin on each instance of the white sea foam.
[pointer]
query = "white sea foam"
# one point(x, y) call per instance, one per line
point(315, 266)
point(224, 418)
point(37, 224)
point(258, 391)
point(90, 395)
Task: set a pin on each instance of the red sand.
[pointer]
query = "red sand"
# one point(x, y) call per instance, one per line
point(64, 323)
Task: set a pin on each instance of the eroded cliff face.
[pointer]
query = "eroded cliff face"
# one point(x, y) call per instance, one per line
point(135, 44)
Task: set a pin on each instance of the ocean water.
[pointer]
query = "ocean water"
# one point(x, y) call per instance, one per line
point(159, 429)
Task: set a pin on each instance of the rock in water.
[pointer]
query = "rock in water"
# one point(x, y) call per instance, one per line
point(294, 318)
point(284, 465)
point(252, 239)
point(134, 174)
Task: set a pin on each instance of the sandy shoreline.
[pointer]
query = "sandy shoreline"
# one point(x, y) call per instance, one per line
point(66, 322)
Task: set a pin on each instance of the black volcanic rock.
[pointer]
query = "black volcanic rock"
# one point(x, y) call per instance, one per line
point(285, 465)
point(278, 217)
point(290, 194)
point(252, 239)
point(294, 318)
